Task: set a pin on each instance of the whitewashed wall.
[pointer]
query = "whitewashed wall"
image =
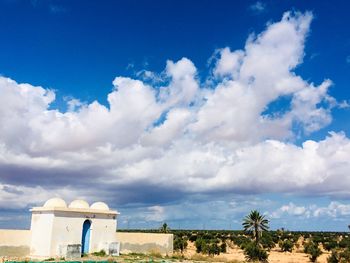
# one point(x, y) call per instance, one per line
point(14, 242)
point(145, 243)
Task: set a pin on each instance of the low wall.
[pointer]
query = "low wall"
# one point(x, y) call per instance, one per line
point(14, 242)
point(17, 243)
point(145, 243)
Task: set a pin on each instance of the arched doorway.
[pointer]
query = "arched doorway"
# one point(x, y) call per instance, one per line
point(85, 240)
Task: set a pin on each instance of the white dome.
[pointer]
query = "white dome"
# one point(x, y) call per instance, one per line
point(55, 202)
point(79, 204)
point(99, 206)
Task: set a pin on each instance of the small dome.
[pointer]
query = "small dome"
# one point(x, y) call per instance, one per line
point(55, 202)
point(99, 206)
point(79, 204)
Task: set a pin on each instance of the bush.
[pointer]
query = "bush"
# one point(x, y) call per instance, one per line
point(267, 241)
point(193, 238)
point(209, 246)
point(313, 250)
point(240, 241)
point(330, 245)
point(180, 243)
point(344, 243)
point(223, 247)
point(213, 249)
point(333, 258)
point(254, 252)
point(200, 245)
point(286, 245)
point(345, 256)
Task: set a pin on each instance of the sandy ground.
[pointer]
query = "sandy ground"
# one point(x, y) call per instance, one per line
point(275, 255)
point(234, 255)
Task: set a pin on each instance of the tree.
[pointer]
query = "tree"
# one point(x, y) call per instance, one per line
point(286, 245)
point(164, 228)
point(200, 245)
point(255, 223)
point(213, 248)
point(223, 247)
point(339, 256)
point(313, 250)
point(180, 243)
point(254, 252)
point(334, 257)
point(266, 240)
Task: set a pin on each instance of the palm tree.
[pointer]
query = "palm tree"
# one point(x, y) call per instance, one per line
point(256, 223)
point(164, 228)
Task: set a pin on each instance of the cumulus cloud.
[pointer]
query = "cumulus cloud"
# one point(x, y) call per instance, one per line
point(290, 209)
point(180, 137)
point(333, 210)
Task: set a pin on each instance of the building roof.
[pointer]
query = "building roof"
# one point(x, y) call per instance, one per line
point(76, 206)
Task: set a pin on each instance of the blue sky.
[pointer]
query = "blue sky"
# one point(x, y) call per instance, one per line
point(192, 113)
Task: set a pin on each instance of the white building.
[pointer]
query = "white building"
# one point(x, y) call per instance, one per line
point(58, 230)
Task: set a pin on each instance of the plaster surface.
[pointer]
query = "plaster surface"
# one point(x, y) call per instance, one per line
point(145, 243)
point(14, 242)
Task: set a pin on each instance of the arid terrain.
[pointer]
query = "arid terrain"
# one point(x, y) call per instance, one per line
point(235, 254)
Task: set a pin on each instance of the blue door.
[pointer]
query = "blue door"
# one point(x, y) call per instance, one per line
point(85, 240)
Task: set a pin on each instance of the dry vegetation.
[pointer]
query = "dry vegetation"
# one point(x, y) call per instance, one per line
point(282, 246)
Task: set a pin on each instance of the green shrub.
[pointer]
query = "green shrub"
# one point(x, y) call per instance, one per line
point(200, 245)
point(329, 245)
point(313, 250)
point(180, 244)
point(286, 245)
point(223, 247)
point(334, 257)
point(193, 238)
point(240, 241)
point(267, 241)
point(344, 243)
point(213, 249)
point(345, 256)
point(254, 252)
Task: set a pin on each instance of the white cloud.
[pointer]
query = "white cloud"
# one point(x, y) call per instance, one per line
point(229, 62)
point(183, 85)
point(155, 213)
point(258, 7)
point(333, 210)
point(290, 209)
point(211, 139)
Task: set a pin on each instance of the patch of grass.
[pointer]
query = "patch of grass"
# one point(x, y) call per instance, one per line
point(177, 256)
point(206, 258)
point(100, 253)
point(49, 259)
point(155, 254)
point(136, 254)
